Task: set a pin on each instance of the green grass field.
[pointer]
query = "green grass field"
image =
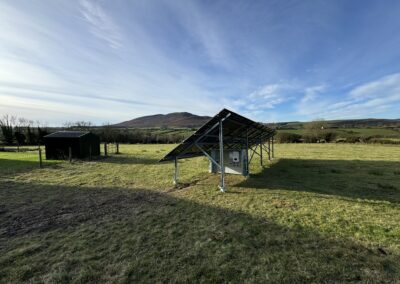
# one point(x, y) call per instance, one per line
point(352, 132)
point(322, 213)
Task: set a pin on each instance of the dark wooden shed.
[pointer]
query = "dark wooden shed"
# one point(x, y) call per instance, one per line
point(83, 145)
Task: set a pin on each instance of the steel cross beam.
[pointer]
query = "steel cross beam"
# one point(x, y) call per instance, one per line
point(227, 137)
point(203, 135)
point(208, 156)
point(267, 149)
point(254, 152)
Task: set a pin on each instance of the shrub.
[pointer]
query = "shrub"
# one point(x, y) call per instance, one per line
point(341, 140)
point(310, 138)
point(329, 136)
point(19, 137)
point(354, 139)
point(285, 137)
point(383, 141)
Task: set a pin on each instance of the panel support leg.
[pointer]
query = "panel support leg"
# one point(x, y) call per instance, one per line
point(176, 171)
point(221, 157)
point(247, 155)
point(269, 149)
point(261, 153)
point(273, 152)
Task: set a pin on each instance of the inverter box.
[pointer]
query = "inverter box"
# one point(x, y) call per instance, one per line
point(235, 162)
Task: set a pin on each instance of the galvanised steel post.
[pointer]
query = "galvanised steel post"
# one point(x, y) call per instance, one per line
point(176, 171)
point(221, 156)
point(247, 154)
point(261, 153)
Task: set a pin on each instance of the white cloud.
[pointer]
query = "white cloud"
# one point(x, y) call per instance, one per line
point(20, 72)
point(40, 70)
point(269, 96)
point(101, 25)
point(311, 93)
point(386, 87)
point(142, 57)
point(366, 100)
point(204, 31)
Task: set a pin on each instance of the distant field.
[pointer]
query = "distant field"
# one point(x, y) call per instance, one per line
point(318, 213)
point(164, 130)
point(349, 132)
point(341, 132)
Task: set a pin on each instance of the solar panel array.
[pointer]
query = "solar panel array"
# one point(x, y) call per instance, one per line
point(67, 134)
point(238, 131)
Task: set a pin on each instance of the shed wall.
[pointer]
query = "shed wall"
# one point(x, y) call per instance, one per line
point(58, 147)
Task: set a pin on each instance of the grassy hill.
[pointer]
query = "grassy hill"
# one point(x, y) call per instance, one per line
point(176, 119)
point(189, 120)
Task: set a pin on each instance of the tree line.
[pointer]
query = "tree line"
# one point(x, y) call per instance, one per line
point(22, 131)
point(317, 132)
point(138, 136)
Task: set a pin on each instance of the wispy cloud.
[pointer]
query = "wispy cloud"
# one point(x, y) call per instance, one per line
point(100, 24)
point(203, 30)
point(268, 96)
point(365, 100)
point(119, 60)
point(311, 93)
point(387, 87)
point(36, 74)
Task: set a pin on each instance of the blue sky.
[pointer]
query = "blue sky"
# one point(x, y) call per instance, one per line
point(109, 61)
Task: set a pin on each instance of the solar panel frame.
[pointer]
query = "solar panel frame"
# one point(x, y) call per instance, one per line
point(237, 130)
point(67, 134)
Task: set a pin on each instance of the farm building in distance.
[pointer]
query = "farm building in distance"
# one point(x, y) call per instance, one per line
point(82, 144)
point(226, 140)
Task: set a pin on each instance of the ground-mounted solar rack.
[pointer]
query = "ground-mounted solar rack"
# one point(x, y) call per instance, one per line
point(227, 131)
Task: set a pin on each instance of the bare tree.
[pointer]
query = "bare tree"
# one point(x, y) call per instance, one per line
point(19, 135)
point(314, 130)
point(78, 125)
point(6, 125)
point(108, 133)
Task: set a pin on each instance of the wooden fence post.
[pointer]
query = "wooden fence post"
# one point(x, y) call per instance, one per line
point(90, 153)
point(117, 148)
point(105, 149)
point(70, 155)
point(40, 158)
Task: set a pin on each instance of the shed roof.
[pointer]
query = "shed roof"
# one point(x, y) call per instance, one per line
point(67, 134)
point(237, 131)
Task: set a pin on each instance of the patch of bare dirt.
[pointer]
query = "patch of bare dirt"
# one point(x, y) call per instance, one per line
point(180, 186)
point(71, 210)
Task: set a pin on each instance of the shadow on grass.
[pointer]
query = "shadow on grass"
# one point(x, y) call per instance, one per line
point(375, 180)
point(11, 166)
point(62, 233)
point(124, 159)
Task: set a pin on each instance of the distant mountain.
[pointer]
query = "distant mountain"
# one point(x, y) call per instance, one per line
point(175, 119)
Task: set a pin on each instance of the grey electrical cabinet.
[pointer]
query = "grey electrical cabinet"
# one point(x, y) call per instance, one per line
point(235, 162)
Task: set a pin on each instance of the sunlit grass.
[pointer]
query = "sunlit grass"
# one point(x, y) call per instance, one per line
point(322, 213)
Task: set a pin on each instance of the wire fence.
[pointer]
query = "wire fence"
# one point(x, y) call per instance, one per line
point(35, 156)
point(110, 149)
point(22, 155)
